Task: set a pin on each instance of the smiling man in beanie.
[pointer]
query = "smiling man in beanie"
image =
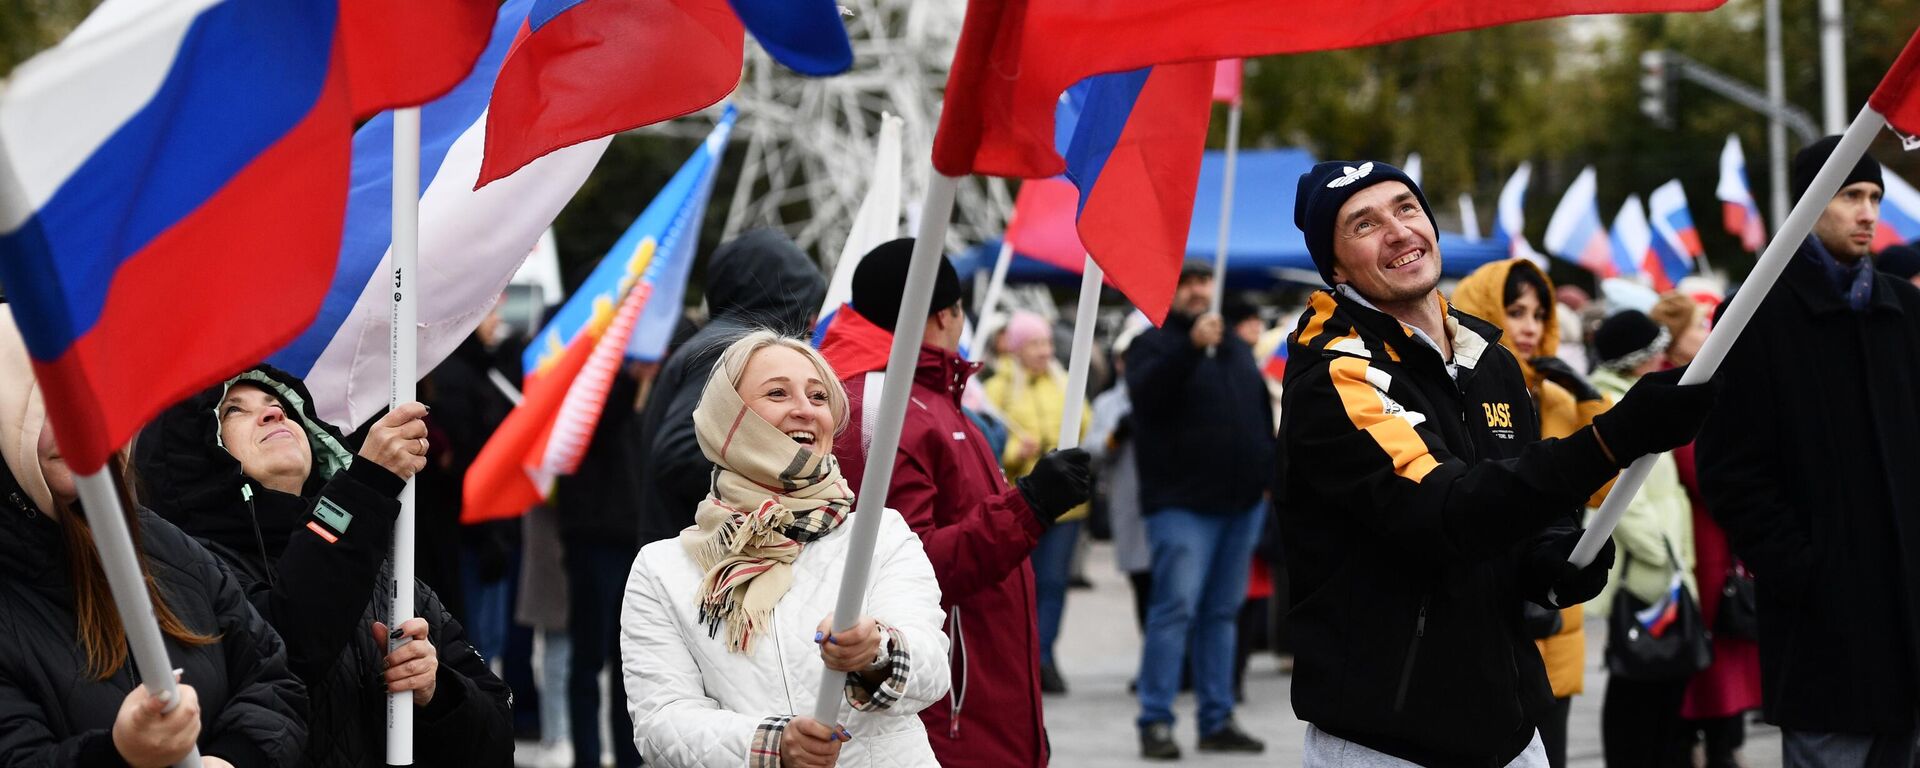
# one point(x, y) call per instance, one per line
point(978, 530)
point(1808, 465)
point(1420, 506)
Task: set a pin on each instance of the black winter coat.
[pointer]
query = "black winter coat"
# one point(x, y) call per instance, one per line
point(1204, 424)
point(315, 566)
point(758, 280)
point(53, 713)
point(1416, 512)
point(1808, 462)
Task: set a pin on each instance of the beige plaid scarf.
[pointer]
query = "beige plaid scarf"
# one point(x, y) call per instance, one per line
point(769, 497)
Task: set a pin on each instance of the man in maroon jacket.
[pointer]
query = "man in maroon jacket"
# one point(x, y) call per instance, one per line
point(977, 531)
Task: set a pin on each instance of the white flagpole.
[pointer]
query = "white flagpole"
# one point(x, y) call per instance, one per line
point(406, 256)
point(1081, 356)
point(976, 345)
point(1793, 231)
point(1226, 210)
point(902, 359)
point(122, 567)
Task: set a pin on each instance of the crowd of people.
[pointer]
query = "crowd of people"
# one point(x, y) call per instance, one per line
point(1409, 491)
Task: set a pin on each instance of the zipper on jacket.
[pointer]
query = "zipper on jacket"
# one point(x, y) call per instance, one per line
point(253, 516)
point(956, 660)
point(1413, 651)
point(781, 657)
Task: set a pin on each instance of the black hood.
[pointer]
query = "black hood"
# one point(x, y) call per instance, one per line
point(762, 279)
point(187, 478)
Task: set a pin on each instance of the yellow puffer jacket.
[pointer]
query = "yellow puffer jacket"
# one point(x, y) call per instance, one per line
point(1033, 407)
point(1481, 295)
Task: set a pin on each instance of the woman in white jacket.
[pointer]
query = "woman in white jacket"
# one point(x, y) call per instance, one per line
point(724, 628)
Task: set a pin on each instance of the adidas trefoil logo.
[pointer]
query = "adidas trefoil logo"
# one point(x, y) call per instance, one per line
point(1350, 174)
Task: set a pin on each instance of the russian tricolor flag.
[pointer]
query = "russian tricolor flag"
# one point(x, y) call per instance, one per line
point(1676, 243)
point(179, 173)
point(1576, 233)
point(471, 240)
point(1632, 238)
point(1899, 212)
point(1739, 211)
point(1133, 149)
point(1275, 366)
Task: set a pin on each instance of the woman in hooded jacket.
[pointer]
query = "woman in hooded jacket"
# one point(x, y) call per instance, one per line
point(1517, 296)
point(249, 470)
point(69, 694)
point(725, 627)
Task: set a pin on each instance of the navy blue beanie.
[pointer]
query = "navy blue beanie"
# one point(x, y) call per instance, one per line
point(1326, 187)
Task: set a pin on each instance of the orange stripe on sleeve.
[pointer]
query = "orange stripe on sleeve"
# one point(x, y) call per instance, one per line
point(1320, 309)
point(1394, 434)
point(322, 533)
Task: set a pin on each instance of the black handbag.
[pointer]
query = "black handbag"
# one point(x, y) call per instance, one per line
point(1739, 614)
point(1664, 640)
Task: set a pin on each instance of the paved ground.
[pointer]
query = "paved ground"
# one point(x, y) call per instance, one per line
point(1099, 651)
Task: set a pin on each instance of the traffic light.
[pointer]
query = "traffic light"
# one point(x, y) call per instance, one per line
point(1656, 91)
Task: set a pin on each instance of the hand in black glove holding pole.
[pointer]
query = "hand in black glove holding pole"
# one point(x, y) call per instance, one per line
point(1061, 481)
point(1566, 583)
point(1657, 414)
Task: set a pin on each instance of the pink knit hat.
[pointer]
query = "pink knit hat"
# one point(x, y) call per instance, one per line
point(1025, 326)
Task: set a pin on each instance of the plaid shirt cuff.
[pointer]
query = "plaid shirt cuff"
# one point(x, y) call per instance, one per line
point(869, 699)
point(764, 752)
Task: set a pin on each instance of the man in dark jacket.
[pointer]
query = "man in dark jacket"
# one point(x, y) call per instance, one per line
point(1204, 442)
point(978, 532)
point(249, 470)
point(759, 279)
point(1420, 506)
point(1809, 465)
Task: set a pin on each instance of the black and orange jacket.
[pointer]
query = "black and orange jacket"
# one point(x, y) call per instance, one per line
point(1416, 511)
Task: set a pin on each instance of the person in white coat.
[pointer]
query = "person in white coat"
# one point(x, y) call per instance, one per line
point(725, 627)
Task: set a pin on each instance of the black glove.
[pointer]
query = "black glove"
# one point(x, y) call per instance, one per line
point(1570, 585)
point(1060, 481)
point(1557, 371)
point(1657, 414)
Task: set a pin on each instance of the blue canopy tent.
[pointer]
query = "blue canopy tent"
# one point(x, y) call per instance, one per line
point(1265, 247)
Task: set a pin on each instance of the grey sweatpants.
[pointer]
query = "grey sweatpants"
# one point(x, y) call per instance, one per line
point(1324, 750)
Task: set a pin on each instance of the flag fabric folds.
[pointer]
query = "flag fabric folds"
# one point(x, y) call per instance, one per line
point(1899, 213)
point(471, 241)
point(1575, 232)
point(1897, 98)
point(1510, 219)
point(583, 69)
point(1675, 242)
point(1015, 57)
point(168, 150)
point(1133, 143)
point(1632, 238)
point(877, 221)
point(804, 35)
point(571, 363)
point(1042, 225)
point(1738, 210)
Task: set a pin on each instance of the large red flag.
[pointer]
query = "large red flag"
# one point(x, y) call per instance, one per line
point(1898, 96)
point(1016, 56)
point(583, 69)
